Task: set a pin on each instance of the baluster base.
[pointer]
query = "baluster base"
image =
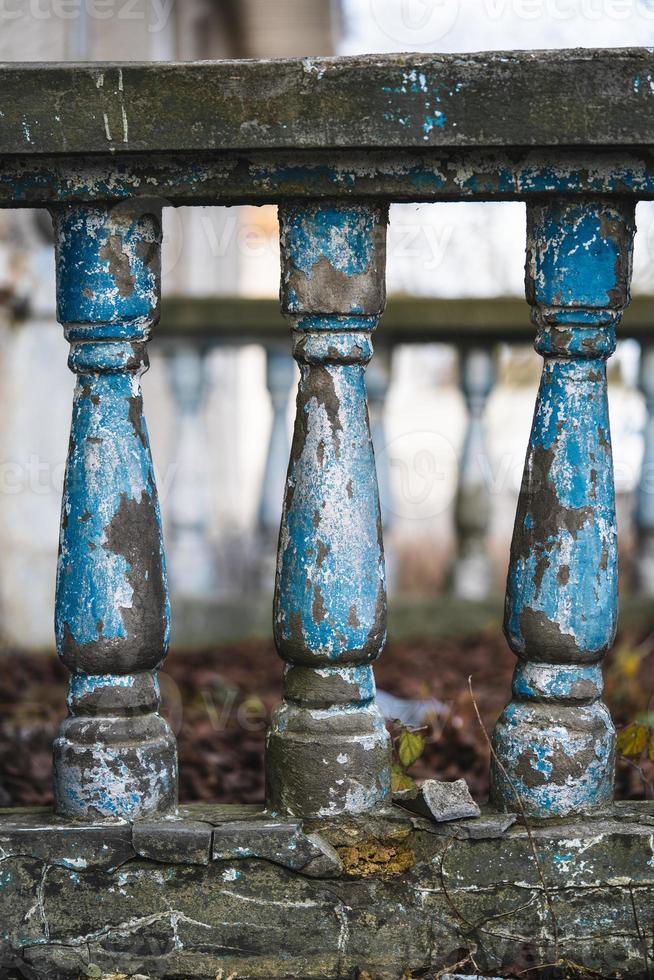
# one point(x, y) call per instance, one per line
point(556, 741)
point(131, 778)
point(115, 757)
point(326, 762)
point(328, 751)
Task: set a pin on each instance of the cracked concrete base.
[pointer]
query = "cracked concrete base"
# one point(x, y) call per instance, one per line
point(382, 896)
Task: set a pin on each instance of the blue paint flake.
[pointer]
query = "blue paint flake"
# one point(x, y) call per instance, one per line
point(342, 237)
point(435, 121)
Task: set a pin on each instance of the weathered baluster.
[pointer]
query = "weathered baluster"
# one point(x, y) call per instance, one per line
point(279, 379)
point(644, 510)
point(328, 750)
point(472, 570)
point(555, 739)
point(190, 559)
point(115, 757)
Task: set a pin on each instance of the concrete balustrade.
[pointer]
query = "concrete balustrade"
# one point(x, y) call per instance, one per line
point(119, 878)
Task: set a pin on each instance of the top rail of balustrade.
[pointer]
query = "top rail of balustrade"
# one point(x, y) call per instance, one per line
point(406, 127)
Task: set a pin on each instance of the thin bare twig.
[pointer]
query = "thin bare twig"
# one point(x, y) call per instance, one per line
point(469, 958)
point(448, 898)
point(639, 931)
point(474, 926)
point(583, 971)
point(647, 783)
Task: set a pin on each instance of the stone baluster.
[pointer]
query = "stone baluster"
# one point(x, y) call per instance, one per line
point(279, 380)
point(555, 740)
point(190, 559)
point(644, 510)
point(328, 750)
point(115, 756)
point(472, 573)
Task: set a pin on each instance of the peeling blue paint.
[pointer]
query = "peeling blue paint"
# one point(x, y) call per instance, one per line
point(331, 235)
point(361, 679)
point(554, 743)
point(322, 569)
point(331, 576)
point(330, 596)
point(105, 270)
point(570, 575)
point(398, 175)
point(112, 615)
point(576, 263)
point(435, 121)
point(81, 684)
point(562, 682)
point(106, 467)
point(434, 92)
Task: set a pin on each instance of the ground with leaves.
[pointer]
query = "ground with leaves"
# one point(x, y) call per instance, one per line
point(219, 702)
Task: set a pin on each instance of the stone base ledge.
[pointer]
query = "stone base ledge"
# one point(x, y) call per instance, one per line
point(233, 892)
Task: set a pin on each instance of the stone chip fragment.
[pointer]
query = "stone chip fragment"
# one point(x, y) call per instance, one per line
point(441, 801)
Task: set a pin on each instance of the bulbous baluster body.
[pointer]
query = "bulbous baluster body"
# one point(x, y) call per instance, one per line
point(115, 756)
point(328, 749)
point(555, 740)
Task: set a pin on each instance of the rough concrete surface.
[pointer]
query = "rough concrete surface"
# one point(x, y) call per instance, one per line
point(411, 896)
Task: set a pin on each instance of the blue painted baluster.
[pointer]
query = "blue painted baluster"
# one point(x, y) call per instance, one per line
point(472, 574)
point(644, 511)
point(555, 739)
point(328, 750)
point(115, 757)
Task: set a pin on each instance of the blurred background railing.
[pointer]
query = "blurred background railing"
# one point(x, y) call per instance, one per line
point(471, 486)
point(450, 396)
